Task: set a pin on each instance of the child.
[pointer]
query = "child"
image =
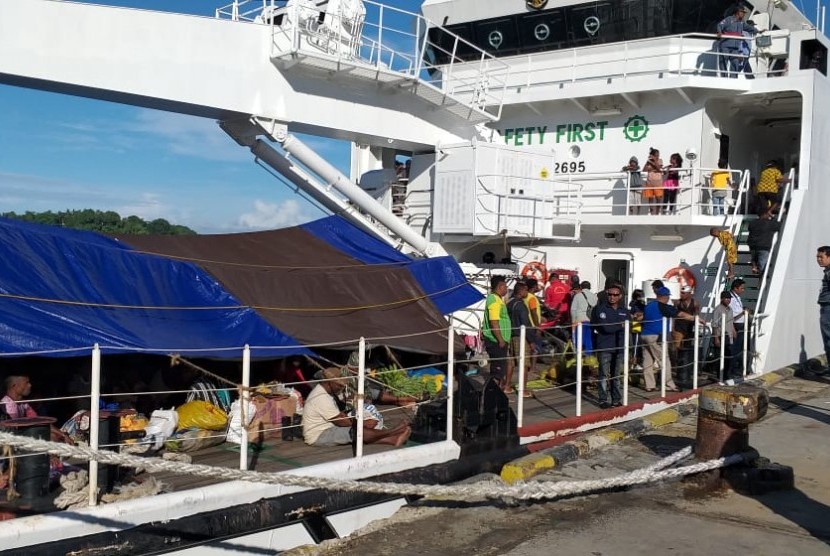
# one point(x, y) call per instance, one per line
point(672, 184)
point(635, 185)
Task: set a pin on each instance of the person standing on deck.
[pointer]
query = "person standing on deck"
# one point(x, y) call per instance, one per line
point(583, 300)
point(607, 319)
point(653, 337)
point(823, 260)
point(520, 316)
point(732, 33)
point(722, 315)
point(683, 335)
point(495, 330)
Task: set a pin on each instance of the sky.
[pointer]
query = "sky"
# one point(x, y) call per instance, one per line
point(59, 152)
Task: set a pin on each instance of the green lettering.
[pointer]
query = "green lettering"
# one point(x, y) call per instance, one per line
point(577, 133)
point(530, 131)
point(507, 134)
point(601, 126)
point(560, 131)
point(590, 135)
point(519, 135)
point(542, 130)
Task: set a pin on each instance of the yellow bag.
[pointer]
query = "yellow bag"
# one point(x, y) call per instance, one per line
point(199, 414)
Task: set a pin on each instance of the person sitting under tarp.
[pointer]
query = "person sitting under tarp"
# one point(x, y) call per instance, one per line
point(326, 422)
point(19, 387)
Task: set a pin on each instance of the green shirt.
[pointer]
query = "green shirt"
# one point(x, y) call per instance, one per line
point(495, 309)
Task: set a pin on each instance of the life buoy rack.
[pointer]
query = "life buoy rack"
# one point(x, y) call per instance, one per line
point(537, 270)
point(684, 276)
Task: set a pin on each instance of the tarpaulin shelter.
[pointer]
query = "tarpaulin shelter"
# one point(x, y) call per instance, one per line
point(330, 282)
point(324, 282)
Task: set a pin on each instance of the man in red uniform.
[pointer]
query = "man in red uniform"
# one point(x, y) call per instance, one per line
point(558, 299)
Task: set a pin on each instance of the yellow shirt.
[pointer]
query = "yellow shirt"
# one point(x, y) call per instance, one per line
point(720, 179)
point(769, 180)
point(534, 307)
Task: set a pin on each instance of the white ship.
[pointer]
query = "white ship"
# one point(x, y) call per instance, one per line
point(517, 116)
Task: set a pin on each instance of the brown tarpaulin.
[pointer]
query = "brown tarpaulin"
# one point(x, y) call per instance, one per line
point(308, 289)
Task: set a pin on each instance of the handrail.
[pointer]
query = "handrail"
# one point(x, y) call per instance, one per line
point(733, 225)
point(773, 251)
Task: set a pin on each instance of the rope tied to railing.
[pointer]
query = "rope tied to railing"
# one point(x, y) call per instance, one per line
point(519, 491)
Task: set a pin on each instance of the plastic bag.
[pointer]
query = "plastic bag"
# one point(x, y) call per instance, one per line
point(200, 414)
point(162, 424)
point(236, 428)
point(191, 440)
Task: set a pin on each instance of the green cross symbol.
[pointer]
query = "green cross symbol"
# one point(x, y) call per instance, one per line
point(636, 128)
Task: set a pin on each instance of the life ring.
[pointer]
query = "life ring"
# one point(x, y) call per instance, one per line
point(537, 270)
point(684, 276)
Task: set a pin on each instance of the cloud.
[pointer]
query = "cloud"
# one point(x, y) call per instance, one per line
point(188, 136)
point(273, 215)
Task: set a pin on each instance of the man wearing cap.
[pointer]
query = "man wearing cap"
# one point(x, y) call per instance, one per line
point(732, 32)
point(608, 319)
point(823, 260)
point(653, 337)
point(635, 185)
point(683, 336)
point(739, 318)
point(326, 424)
point(723, 325)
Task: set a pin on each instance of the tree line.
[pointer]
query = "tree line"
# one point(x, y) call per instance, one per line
point(107, 222)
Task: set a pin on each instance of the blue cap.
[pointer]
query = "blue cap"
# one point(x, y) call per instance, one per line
point(663, 291)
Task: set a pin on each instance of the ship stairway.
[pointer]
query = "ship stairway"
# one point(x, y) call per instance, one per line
point(381, 49)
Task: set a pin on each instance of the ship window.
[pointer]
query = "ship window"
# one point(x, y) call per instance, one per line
point(541, 31)
point(591, 23)
point(814, 56)
point(498, 36)
point(443, 43)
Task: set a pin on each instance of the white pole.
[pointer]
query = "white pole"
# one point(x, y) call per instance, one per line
point(664, 359)
point(244, 399)
point(745, 339)
point(521, 403)
point(361, 388)
point(450, 375)
point(94, 421)
point(626, 358)
point(579, 369)
point(823, 17)
point(722, 344)
point(696, 357)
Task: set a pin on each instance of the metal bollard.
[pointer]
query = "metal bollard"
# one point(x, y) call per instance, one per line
point(724, 415)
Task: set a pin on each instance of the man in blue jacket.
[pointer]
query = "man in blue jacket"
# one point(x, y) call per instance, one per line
point(653, 338)
point(607, 320)
point(732, 36)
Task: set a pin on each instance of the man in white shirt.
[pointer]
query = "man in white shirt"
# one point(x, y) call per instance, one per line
point(325, 424)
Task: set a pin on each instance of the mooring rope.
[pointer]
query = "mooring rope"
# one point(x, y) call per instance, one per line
point(518, 491)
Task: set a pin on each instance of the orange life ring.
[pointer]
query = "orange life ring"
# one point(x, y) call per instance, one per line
point(684, 275)
point(537, 270)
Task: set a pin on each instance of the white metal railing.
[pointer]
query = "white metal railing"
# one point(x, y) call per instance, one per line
point(534, 215)
point(398, 45)
point(692, 54)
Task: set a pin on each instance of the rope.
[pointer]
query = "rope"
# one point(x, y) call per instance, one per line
point(520, 491)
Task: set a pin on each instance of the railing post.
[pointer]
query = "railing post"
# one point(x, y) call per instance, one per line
point(664, 359)
point(94, 421)
point(361, 389)
point(380, 36)
point(579, 369)
point(417, 49)
point(626, 358)
point(520, 406)
point(722, 345)
point(450, 379)
point(244, 400)
point(696, 357)
point(628, 194)
point(746, 338)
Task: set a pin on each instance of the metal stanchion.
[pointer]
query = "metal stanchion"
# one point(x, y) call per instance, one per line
point(746, 340)
point(696, 357)
point(520, 406)
point(94, 422)
point(626, 358)
point(579, 369)
point(244, 400)
point(361, 385)
point(722, 345)
point(664, 357)
point(450, 377)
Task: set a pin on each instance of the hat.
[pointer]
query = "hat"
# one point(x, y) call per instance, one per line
point(725, 295)
point(634, 160)
point(332, 373)
point(664, 291)
point(686, 289)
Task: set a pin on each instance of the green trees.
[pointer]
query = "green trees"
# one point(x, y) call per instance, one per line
point(107, 222)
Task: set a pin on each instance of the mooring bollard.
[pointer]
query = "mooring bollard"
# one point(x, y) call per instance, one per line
point(724, 416)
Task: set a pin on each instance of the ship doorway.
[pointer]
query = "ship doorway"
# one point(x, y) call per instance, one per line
point(615, 267)
point(724, 148)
